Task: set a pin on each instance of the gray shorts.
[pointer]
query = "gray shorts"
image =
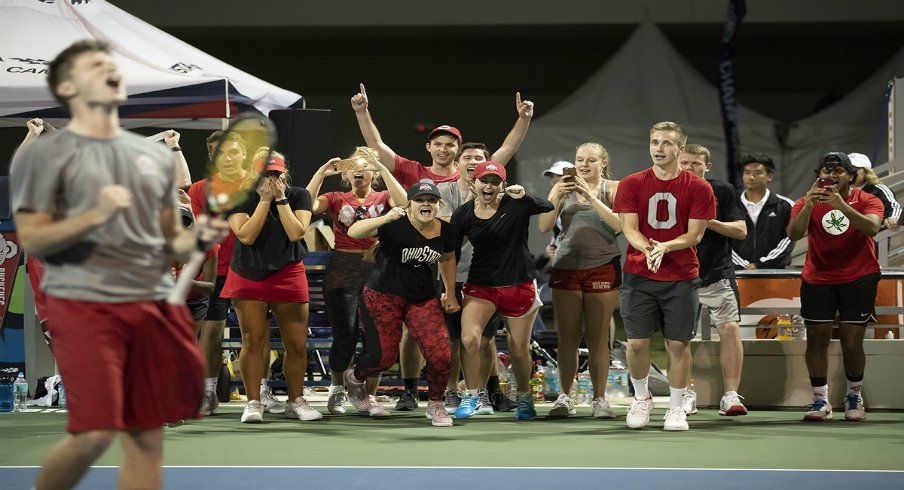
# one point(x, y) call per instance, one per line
point(721, 299)
point(645, 305)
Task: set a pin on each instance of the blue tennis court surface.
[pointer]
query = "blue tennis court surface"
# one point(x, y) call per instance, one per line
point(378, 478)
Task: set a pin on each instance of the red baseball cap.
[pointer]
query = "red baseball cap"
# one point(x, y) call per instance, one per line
point(489, 168)
point(446, 129)
point(275, 162)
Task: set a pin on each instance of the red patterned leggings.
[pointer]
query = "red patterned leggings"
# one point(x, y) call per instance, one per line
point(382, 316)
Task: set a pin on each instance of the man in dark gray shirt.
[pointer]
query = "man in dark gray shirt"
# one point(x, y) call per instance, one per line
point(98, 205)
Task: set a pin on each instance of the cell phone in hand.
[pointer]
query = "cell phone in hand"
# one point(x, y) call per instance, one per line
point(350, 164)
point(825, 183)
point(568, 174)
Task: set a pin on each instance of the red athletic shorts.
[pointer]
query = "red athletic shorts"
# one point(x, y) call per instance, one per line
point(511, 301)
point(126, 366)
point(287, 285)
point(35, 273)
point(602, 279)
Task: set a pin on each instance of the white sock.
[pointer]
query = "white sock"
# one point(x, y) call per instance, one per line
point(855, 387)
point(335, 389)
point(474, 392)
point(641, 389)
point(675, 396)
point(264, 386)
point(210, 384)
point(821, 392)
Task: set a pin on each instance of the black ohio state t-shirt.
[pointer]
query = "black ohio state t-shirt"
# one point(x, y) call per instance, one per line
point(405, 257)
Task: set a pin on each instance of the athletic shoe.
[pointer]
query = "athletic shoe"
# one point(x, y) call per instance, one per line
point(731, 405)
point(468, 406)
point(689, 401)
point(639, 413)
point(819, 411)
point(501, 403)
point(407, 401)
point(600, 409)
point(675, 419)
point(299, 408)
point(357, 394)
point(853, 407)
point(336, 402)
point(172, 425)
point(436, 412)
point(210, 404)
point(524, 407)
point(563, 407)
point(483, 404)
point(453, 400)
point(374, 409)
point(254, 413)
point(270, 403)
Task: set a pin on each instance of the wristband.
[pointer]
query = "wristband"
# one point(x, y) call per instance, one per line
point(282, 202)
point(176, 149)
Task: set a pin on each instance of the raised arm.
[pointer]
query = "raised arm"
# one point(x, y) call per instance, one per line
point(516, 136)
point(369, 130)
point(547, 221)
point(320, 202)
point(183, 176)
point(247, 227)
point(368, 227)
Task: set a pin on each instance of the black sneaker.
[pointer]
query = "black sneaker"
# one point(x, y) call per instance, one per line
point(500, 402)
point(407, 401)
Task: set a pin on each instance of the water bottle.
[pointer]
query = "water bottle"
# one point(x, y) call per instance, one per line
point(798, 330)
point(552, 380)
point(537, 382)
point(511, 385)
point(61, 393)
point(617, 383)
point(20, 393)
point(585, 389)
point(783, 322)
point(6, 394)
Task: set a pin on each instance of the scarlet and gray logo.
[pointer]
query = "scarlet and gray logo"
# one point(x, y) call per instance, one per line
point(424, 187)
point(423, 254)
point(492, 167)
point(8, 249)
point(184, 67)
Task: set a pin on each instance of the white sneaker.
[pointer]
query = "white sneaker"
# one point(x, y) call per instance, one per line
point(437, 414)
point(484, 407)
point(639, 413)
point(853, 407)
point(336, 403)
point(675, 419)
point(270, 403)
point(819, 411)
point(210, 404)
point(374, 409)
point(600, 409)
point(731, 406)
point(689, 401)
point(299, 408)
point(254, 413)
point(562, 408)
point(357, 393)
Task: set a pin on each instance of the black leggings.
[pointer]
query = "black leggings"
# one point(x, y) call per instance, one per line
point(343, 281)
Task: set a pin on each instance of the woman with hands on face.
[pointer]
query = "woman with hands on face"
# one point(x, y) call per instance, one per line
point(586, 272)
point(401, 289)
point(267, 273)
point(347, 271)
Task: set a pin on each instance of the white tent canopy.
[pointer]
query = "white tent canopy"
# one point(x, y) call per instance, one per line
point(850, 125)
point(645, 81)
point(167, 79)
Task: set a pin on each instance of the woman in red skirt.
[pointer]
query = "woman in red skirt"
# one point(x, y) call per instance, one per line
point(266, 273)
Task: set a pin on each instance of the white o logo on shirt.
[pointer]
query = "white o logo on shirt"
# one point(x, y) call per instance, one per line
point(835, 222)
point(653, 206)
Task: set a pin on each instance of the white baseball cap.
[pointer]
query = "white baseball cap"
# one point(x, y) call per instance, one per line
point(557, 168)
point(860, 160)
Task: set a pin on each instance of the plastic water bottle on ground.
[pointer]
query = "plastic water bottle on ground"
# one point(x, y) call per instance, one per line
point(784, 327)
point(6, 394)
point(20, 393)
point(61, 392)
point(585, 389)
point(617, 385)
point(552, 380)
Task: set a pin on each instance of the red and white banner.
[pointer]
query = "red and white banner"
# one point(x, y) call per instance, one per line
point(9, 265)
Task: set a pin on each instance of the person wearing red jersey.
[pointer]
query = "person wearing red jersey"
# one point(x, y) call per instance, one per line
point(840, 276)
point(664, 213)
point(347, 270)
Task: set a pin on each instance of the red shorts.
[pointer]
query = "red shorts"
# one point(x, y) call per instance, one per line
point(127, 366)
point(511, 301)
point(35, 272)
point(602, 279)
point(288, 285)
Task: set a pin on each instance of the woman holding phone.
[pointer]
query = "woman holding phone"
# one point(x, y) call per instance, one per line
point(266, 273)
point(586, 272)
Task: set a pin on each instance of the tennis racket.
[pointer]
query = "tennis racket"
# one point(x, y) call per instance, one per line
point(241, 154)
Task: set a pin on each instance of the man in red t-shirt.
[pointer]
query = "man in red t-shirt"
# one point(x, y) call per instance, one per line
point(840, 276)
point(664, 213)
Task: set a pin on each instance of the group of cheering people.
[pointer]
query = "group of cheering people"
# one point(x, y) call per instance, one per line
point(99, 206)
